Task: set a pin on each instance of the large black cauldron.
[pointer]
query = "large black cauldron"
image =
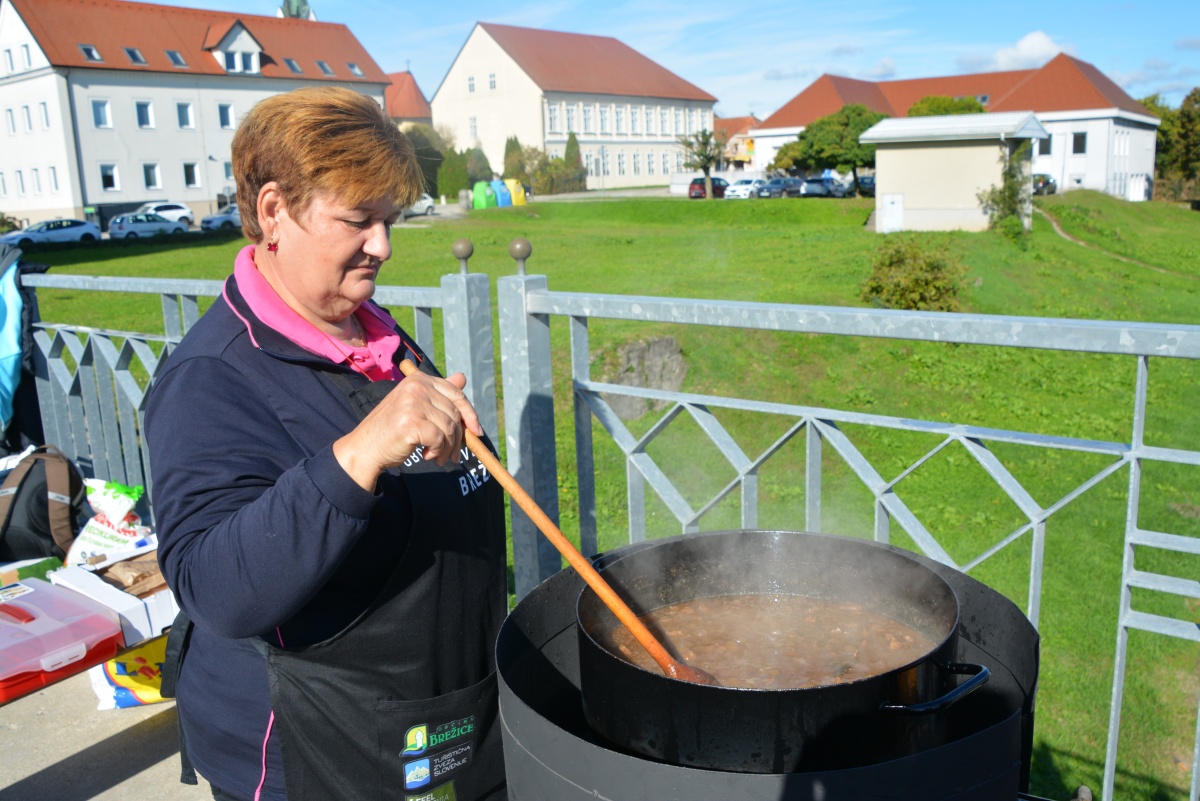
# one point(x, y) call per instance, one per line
point(552, 754)
point(892, 714)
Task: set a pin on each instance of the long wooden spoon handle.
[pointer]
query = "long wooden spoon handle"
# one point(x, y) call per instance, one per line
point(582, 566)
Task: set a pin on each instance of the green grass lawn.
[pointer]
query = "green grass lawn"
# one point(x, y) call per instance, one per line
point(817, 252)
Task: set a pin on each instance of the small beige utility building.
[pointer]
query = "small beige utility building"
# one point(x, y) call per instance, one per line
point(929, 171)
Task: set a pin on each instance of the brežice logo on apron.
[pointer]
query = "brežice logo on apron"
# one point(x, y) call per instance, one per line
point(423, 772)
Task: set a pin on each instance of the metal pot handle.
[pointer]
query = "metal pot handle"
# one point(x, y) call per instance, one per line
point(979, 676)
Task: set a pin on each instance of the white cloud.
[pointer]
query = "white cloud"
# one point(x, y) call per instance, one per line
point(884, 69)
point(1031, 51)
point(1188, 44)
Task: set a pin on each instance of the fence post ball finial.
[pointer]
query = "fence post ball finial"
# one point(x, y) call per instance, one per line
point(462, 250)
point(520, 249)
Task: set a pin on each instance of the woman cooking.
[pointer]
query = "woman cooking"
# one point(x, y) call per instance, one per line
point(343, 580)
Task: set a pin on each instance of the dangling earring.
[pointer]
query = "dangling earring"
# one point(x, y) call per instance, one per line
point(272, 247)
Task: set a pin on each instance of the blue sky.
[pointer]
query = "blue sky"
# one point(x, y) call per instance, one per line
point(755, 56)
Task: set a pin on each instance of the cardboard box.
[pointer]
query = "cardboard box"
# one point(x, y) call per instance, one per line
point(141, 618)
point(48, 633)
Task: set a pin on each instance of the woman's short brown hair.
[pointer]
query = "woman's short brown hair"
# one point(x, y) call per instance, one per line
point(321, 139)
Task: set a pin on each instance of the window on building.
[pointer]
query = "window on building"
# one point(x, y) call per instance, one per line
point(587, 118)
point(470, 83)
point(135, 56)
point(650, 163)
point(11, 120)
point(325, 68)
point(90, 52)
point(176, 58)
point(635, 119)
point(604, 119)
point(492, 81)
point(1044, 146)
point(101, 117)
point(604, 160)
point(354, 69)
point(621, 162)
point(1079, 143)
point(145, 114)
point(151, 176)
point(20, 182)
point(619, 120)
point(294, 66)
point(591, 163)
point(108, 178)
point(637, 163)
point(44, 108)
point(663, 121)
point(35, 178)
point(26, 56)
point(191, 175)
point(473, 130)
point(649, 120)
point(249, 62)
point(183, 111)
point(983, 99)
point(551, 117)
point(678, 121)
point(27, 118)
point(8, 61)
point(570, 118)
point(691, 122)
point(231, 61)
point(678, 161)
point(53, 173)
point(666, 163)
point(229, 171)
point(3, 186)
point(225, 114)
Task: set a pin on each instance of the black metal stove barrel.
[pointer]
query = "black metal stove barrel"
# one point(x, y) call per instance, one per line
point(552, 755)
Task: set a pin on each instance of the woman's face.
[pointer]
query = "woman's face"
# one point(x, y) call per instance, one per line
point(328, 258)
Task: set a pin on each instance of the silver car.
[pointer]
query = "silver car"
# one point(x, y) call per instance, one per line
point(227, 218)
point(424, 205)
point(175, 212)
point(53, 231)
point(132, 226)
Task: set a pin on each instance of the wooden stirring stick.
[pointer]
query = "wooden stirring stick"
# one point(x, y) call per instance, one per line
point(669, 664)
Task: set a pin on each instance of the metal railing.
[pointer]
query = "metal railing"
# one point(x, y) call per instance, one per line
point(93, 407)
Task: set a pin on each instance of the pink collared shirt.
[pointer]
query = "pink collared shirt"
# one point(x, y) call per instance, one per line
point(376, 360)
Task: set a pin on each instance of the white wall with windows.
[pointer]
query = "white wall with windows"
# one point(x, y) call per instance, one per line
point(1106, 150)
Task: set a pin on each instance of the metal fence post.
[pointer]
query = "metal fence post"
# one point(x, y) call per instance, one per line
point(467, 324)
point(528, 417)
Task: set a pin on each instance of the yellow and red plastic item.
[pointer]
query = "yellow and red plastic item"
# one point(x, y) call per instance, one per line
point(48, 633)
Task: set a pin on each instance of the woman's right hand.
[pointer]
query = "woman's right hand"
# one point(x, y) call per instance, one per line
point(421, 412)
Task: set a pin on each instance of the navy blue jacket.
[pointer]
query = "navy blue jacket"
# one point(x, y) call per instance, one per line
point(261, 531)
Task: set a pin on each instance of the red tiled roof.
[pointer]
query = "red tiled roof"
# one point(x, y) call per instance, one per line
point(60, 26)
point(576, 62)
point(729, 127)
point(1062, 84)
point(404, 100)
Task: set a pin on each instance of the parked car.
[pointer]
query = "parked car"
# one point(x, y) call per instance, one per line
point(696, 187)
point(175, 212)
point(822, 187)
point(781, 187)
point(424, 205)
point(227, 218)
point(1044, 185)
point(53, 231)
point(744, 189)
point(132, 226)
point(866, 185)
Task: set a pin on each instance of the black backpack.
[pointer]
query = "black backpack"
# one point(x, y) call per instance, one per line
point(40, 503)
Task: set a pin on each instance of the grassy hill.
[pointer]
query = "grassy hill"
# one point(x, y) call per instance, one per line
point(817, 252)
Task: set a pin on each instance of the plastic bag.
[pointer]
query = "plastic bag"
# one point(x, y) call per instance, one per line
point(132, 679)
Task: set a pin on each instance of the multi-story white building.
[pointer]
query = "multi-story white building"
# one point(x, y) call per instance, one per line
point(540, 86)
point(107, 104)
point(1100, 137)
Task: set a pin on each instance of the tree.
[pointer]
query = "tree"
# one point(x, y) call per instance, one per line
point(430, 156)
point(701, 151)
point(477, 165)
point(940, 105)
point(1009, 206)
point(1166, 151)
point(452, 176)
point(514, 160)
point(1189, 135)
point(832, 142)
point(577, 178)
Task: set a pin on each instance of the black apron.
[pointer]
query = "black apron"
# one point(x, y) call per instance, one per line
point(402, 704)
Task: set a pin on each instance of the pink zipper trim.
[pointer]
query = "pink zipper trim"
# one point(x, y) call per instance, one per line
point(263, 779)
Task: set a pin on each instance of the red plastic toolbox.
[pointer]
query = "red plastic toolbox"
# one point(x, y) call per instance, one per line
point(48, 633)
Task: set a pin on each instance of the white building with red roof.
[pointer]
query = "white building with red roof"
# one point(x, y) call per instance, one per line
point(405, 103)
point(1100, 137)
point(540, 86)
point(106, 104)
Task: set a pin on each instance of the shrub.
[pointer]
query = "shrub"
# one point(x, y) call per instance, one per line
point(8, 223)
point(452, 174)
point(908, 275)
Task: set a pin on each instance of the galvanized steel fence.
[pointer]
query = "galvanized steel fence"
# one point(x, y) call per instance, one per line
point(92, 382)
